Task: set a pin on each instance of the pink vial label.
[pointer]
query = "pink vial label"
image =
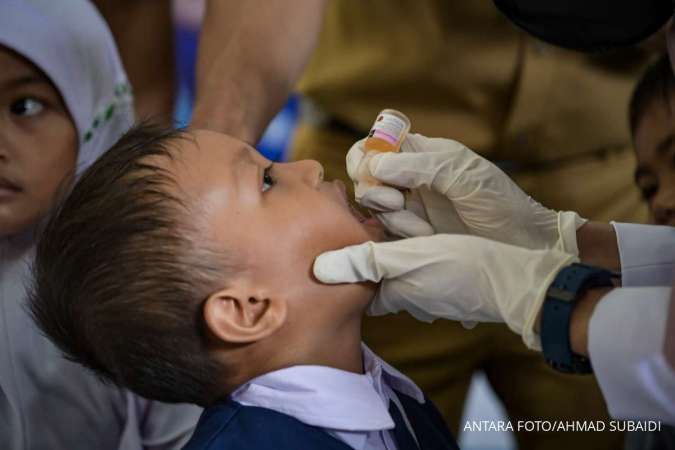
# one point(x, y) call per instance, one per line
point(388, 128)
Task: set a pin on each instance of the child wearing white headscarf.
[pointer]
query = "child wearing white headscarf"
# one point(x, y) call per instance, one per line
point(47, 402)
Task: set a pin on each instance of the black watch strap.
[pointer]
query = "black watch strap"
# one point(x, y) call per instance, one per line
point(561, 297)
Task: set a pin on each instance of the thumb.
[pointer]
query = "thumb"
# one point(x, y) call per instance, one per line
point(379, 198)
point(403, 170)
point(405, 223)
point(351, 264)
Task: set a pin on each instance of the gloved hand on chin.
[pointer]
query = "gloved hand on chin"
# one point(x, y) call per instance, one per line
point(455, 277)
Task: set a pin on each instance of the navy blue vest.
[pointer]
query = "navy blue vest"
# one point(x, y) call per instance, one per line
point(232, 426)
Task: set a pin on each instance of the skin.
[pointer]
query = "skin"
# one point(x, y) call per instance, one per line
point(598, 247)
point(273, 220)
point(247, 68)
point(38, 143)
point(669, 344)
point(251, 54)
point(655, 150)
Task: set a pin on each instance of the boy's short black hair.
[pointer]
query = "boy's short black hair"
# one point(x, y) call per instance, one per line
point(120, 278)
point(656, 84)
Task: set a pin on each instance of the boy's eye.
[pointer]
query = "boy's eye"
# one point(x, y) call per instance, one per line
point(268, 181)
point(26, 107)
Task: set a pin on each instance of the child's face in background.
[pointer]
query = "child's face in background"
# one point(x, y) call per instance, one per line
point(38, 143)
point(655, 148)
point(274, 220)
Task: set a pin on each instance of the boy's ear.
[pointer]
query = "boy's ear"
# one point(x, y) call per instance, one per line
point(241, 317)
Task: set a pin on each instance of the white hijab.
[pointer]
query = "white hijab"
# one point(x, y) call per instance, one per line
point(46, 401)
point(71, 43)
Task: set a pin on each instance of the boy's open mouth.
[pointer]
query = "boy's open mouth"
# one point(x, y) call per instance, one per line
point(374, 226)
point(342, 194)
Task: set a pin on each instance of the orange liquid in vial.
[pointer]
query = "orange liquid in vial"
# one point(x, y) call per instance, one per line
point(388, 132)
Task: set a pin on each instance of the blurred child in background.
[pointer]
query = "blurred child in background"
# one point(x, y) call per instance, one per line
point(64, 98)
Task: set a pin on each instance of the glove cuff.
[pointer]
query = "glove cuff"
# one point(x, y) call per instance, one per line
point(555, 263)
point(568, 224)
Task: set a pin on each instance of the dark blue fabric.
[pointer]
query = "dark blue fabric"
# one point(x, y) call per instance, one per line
point(404, 440)
point(232, 426)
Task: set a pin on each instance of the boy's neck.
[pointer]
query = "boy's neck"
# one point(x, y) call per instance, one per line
point(340, 350)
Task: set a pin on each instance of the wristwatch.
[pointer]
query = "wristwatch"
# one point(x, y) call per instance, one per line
point(569, 285)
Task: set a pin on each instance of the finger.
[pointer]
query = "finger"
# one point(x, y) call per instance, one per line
point(348, 265)
point(408, 170)
point(381, 198)
point(405, 223)
point(354, 157)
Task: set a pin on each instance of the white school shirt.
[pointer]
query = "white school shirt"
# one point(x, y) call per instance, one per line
point(351, 407)
point(49, 403)
point(628, 327)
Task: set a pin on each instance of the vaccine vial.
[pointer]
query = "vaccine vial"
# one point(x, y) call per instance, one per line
point(388, 132)
point(386, 135)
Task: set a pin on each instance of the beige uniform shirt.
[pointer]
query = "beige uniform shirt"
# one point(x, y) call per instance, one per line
point(460, 70)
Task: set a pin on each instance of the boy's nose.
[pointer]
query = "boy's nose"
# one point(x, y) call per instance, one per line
point(311, 171)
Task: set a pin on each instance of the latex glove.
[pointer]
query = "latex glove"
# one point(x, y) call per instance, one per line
point(455, 191)
point(456, 277)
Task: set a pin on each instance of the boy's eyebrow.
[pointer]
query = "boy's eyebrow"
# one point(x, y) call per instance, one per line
point(25, 80)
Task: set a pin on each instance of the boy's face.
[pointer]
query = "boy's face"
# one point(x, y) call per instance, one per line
point(273, 219)
point(655, 147)
point(38, 143)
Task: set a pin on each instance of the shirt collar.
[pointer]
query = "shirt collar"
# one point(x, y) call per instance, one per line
point(331, 398)
point(374, 365)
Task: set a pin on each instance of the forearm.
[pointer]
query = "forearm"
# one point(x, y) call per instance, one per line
point(251, 54)
point(598, 245)
point(581, 319)
point(669, 345)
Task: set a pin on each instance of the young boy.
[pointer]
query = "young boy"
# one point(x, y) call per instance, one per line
point(652, 123)
point(180, 266)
